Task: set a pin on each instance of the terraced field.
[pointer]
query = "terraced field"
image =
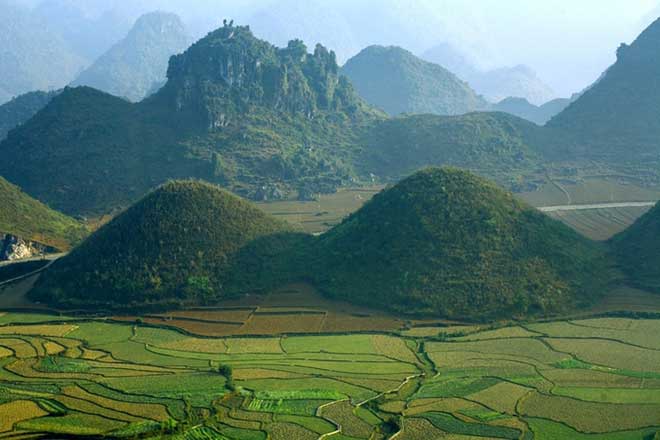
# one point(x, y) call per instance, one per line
point(581, 379)
point(600, 224)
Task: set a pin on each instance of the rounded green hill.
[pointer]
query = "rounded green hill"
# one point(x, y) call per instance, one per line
point(173, 247)
point(638, 250)
point(447, 242)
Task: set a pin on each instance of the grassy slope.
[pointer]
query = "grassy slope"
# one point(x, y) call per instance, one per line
point(638, 250)
point(30, 219)
point(175, 245)
point(447, 242)
point(490, 142)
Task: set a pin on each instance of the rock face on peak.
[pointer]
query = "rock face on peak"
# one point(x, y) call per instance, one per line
point(447, 242)
point(230, 72)
point(132, 67)
point(235, 111)
point(174, 246)
point(395, 80)
point(619, 116)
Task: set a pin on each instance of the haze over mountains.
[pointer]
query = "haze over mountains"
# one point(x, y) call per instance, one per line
point(137, 65)
point(497, 84)
point(394, 80)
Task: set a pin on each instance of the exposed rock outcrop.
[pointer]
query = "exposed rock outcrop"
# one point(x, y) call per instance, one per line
point(14, 248)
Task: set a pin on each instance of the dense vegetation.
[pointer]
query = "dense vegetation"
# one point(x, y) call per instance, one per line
point(491, 143)
point(617, 116)
point(133, 67)
point(638, 250)
point(447, 242)
point(22, 216)
point(22, 108)
point(395, 80)
point(235, 111)
point(175, 246)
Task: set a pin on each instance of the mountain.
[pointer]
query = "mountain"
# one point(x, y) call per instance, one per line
point(33, 56)
point(20, 109)
point(638, 250)
point(446, 242)
point(132, 67)
point(22, 216)
point(495, 84)
point(235, 110)
point(518, 81)
point(618, 117)
point(522, 108)
point(175, 246)
point(395, 80)
point(493, 144)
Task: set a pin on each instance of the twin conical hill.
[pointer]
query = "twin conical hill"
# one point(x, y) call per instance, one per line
point(447, 242)
point(172, 247)
point(638, 250)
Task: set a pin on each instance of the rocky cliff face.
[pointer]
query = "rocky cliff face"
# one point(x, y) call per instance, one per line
point(14, 248)
point(229, 72)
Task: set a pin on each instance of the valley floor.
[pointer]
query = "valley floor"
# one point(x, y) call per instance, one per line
point(305, 368)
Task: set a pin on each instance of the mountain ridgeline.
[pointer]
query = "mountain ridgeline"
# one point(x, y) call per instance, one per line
point(442, 242)
point(262, 121)
point(617, 118)
point(235, 111)
point(395, 80)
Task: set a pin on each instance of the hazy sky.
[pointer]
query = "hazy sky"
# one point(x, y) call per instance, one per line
point(568, 42)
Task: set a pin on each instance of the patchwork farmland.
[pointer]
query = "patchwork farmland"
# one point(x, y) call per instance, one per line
point(595, 378)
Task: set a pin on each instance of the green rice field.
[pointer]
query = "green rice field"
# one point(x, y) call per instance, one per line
point(596, 378)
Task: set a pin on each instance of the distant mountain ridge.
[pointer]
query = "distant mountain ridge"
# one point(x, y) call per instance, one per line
point(132, 67)
point(496, 84)
point(33, 55)
point(538, 114)
point(395, 80)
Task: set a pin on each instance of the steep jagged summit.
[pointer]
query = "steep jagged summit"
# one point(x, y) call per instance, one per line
point(638, 250)
point(237, 111)
point(173, 247)
point(619, 116)
point(395, 80)
point(229, 72)
point(449, 243)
